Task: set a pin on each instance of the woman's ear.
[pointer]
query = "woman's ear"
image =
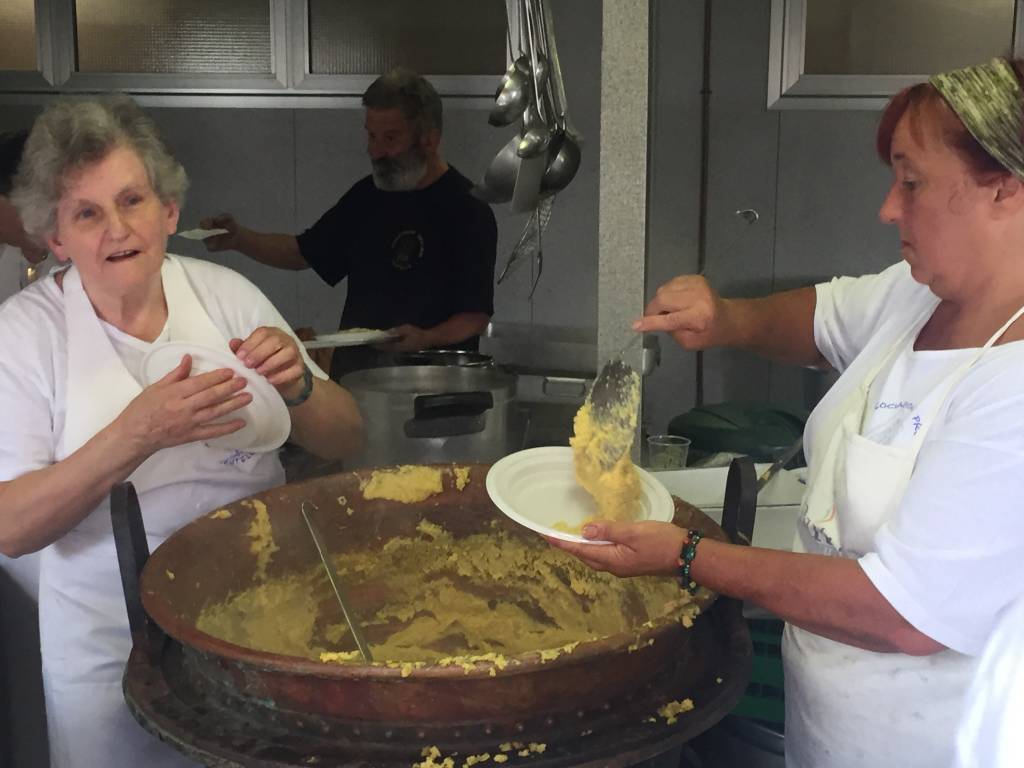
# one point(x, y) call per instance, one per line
point(57, 248)
point(173, 213)
point(1010, 191)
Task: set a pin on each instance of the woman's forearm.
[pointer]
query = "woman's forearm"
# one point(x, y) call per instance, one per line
point(328, 424)
point(41, 506)
point(779, 327)
point(830, 596)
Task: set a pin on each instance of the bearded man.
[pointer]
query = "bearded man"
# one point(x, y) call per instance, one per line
point(418, 250)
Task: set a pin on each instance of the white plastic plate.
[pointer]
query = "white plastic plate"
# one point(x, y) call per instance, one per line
point(200, 234)
point(352, 338)
point(537, 488)
point(267, 423)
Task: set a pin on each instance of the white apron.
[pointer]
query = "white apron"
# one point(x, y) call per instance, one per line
point(847, 707)
point(84, 633)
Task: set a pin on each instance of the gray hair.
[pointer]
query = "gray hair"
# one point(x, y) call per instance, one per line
point(72, 134)
point(411, 93)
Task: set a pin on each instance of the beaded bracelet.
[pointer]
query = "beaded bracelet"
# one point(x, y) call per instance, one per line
point(686, 560)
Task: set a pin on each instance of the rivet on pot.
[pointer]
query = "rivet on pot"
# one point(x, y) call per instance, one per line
point(488, 730)
point(421, 734)
point(549, 721)
point(606, 706)
point(356, 732)
point(388, 734)
point(579, 713)
point(520, 727)
point(457, 734)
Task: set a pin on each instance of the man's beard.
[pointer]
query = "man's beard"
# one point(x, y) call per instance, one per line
point(400, 173)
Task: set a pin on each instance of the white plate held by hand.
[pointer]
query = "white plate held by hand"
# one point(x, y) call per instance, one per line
point(352, 338)
point(200, 234)
point(267, 422)
point(537, 488)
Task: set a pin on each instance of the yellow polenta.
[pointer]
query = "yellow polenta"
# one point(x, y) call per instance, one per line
point(617, 490)
point(407, 484)
point(475, 601)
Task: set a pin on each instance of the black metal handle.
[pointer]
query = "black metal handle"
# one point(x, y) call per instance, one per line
point(446, 404)
point(449, 414)
point(132, 554)
point(740, 503)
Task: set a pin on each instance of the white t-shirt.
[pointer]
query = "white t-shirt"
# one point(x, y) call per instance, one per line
point(991, 735)
point(33, 355)
point(952, 556)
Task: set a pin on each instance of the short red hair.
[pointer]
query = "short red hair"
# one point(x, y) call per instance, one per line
point(923, 104)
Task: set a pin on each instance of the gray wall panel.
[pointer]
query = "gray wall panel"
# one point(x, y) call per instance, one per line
point(744, 138)
point(674, 177)
point(831, 185)
point(239, 161)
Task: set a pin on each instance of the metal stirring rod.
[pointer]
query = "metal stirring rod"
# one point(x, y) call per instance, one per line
point(332, 576)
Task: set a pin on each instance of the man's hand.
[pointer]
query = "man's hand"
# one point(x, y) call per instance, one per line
point(230, 240)
point(637, 549)
point(33, 253)
point(273, 354)
point(408, 338)
point(181, 409)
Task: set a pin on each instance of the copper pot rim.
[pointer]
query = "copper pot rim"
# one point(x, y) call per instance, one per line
point(185, 631)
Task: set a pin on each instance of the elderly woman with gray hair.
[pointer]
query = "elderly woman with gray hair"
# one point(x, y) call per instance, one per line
point(97, 184)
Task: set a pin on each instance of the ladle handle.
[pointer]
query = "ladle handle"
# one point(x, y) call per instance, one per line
point(332, 575)
point(555, 72)
point(132, 554)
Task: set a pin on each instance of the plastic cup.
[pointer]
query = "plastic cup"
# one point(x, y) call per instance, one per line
point(666, 452)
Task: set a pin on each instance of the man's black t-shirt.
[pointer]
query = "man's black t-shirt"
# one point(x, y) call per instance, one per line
point(414, 257)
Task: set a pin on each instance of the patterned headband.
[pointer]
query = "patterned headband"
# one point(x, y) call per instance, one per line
point(988, 99)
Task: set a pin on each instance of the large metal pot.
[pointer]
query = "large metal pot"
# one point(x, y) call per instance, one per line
point(424, 414)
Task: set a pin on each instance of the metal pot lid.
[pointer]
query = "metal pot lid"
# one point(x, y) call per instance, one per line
point(444, 357)
point(417, 379)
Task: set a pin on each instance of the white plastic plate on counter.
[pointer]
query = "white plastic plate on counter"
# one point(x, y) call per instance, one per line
point(537, 488)
point(353, 338)
point(267, 422)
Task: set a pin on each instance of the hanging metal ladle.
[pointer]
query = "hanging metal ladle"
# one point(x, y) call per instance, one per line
point(514, 95)
point(536, 132)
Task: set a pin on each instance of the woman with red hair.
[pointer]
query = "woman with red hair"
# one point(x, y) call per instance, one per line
point(911, 539)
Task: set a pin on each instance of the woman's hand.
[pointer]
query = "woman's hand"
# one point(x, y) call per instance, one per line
point(690, 310)
point(637, 549)
point(181, 409)
point(275, 355)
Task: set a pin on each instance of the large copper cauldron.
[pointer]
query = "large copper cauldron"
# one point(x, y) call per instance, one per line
point(358, 707)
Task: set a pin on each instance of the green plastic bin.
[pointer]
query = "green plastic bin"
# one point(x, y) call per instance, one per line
point(758, 430)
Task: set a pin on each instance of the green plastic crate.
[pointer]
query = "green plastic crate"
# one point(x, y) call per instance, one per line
point(763, 700)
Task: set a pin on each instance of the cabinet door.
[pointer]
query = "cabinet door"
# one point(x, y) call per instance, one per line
point(854, 54)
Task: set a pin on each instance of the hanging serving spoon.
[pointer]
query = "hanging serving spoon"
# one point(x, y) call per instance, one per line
point(513, 97)
point(536, 135)
point(563, 163)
